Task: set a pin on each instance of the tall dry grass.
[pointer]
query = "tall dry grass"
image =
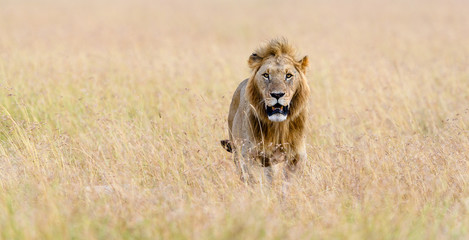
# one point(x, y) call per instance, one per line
point(112, 111)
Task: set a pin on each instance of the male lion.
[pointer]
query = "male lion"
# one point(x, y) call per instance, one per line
point(268, 111)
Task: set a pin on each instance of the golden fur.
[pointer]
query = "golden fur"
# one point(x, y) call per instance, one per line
point(253, 137)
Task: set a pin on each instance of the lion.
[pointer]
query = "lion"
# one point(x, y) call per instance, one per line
point(268, 112)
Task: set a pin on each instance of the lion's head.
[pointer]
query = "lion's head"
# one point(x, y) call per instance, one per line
point(277, 89)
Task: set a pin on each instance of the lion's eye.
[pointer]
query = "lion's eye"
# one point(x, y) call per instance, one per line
point(265, 75)
point(289, 75)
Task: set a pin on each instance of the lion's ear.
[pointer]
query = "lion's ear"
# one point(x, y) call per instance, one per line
point(254, 60)
point(304, 64)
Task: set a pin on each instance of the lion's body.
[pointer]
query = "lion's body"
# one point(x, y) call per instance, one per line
point(253, 136)
point(267, 139)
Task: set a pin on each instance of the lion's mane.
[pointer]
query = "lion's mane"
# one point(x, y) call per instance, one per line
point(291, 130)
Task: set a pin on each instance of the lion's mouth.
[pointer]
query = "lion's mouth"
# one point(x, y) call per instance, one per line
point(277, 109)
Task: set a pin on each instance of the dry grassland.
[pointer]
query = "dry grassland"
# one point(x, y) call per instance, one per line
point(111, 114)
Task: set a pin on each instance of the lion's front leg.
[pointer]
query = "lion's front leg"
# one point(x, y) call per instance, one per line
point(291, 166)
point(243, 162)
point(268, 172)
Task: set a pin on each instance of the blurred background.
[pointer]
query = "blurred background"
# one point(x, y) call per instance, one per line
point(353, 45)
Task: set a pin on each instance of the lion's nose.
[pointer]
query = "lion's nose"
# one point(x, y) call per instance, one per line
point(277, 95)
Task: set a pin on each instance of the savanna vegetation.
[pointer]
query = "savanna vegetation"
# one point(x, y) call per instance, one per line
point(111, 114)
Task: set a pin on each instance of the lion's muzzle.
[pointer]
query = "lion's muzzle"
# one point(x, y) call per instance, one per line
point(277, 112)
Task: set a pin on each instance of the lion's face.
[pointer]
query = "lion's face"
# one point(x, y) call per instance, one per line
point(277, 80)
point(278, 89)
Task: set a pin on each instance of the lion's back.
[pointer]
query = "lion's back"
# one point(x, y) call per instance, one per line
point(236, 103)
